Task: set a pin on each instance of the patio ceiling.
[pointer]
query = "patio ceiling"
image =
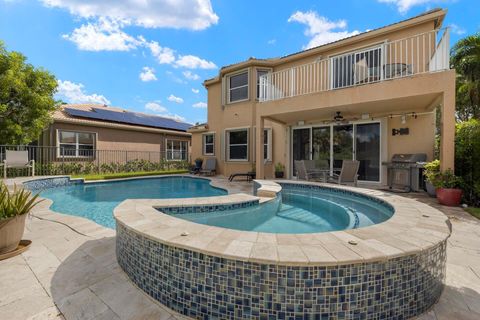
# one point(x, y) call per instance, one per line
point(422, 103)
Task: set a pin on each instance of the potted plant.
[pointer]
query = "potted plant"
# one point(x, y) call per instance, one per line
point(279, 170)
point(448, 188)
point(14, 207)
point(432, 170)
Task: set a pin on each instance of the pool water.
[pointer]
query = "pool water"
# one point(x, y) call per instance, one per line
point(96, 201)
point(299, 211)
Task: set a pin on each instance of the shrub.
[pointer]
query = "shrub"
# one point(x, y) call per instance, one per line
point(15, 203)
point(467, 159)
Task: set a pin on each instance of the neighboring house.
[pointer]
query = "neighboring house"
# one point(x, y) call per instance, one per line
point(343, 100)
point(78, 129)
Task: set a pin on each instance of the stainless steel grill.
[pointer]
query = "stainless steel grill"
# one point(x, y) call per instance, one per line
point(405, 171)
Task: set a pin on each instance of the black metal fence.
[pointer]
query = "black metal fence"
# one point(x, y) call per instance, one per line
point(64, 161)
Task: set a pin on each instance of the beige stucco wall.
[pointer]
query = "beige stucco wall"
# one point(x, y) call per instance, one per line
point(116, 139)
point(420, 93)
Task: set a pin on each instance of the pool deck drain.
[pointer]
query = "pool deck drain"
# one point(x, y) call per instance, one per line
point(72, 276)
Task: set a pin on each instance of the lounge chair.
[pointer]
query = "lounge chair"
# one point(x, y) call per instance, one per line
point(306, 170)
point(18, 160)
point(348, 174)
point(210, 167)
point(249, 175)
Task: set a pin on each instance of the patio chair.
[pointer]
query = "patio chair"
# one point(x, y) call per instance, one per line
point(310, 174)
point(210, 167)
point(348, 174)
point(18, 160)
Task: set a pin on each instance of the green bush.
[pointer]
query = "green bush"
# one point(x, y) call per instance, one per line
point(91, 167)
point(467, 159)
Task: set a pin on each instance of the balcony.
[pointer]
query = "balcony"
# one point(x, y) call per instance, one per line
point(422, 53)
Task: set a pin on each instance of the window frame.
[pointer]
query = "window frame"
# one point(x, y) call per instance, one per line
point(268, 132)
point(167, 150)
point(204, 144)
point(77, 144)
point(229, 89)
point(228, 145)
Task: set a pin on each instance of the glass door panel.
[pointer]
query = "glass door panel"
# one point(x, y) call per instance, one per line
point(301, 145)
point(342, 145)
point(321, 147)
point(367, 145)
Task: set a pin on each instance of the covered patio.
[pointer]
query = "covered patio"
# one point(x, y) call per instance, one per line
point(364, 131)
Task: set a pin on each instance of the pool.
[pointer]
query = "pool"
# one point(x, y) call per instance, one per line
point(96, 201)
point(299, 211)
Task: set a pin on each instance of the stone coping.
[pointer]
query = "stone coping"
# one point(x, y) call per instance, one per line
point(413, 228)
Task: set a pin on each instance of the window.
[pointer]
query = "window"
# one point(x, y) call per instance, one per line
point(237, 145)
point(209, 144)
point(177, 150)
point(259, 74)
point(238, 87)
point(267, 152)
point(76, 144)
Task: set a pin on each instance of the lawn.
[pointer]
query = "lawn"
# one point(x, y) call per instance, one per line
point(474, 212)
point(107, 176)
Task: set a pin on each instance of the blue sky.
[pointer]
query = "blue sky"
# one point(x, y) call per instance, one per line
point(152, 56)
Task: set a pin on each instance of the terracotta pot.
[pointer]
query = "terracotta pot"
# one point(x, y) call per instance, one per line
point(449, 197)
point(11, 232)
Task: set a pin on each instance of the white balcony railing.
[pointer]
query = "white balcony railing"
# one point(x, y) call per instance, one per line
point(422, 53)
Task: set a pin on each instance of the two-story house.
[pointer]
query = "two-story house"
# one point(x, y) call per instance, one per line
point(366, 97)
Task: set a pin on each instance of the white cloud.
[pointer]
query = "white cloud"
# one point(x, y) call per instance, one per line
point(188, 14)
point(155, 107)
point(320, 29)
point(200, 105)
point(190, 75)
point(272, 41)
point(195, 90)
point(175, 99)
point(147, 74)
point(163, 55)
point(194, 62)
point(457, 29)
point(74, 93)
point(103, 35)
point(404, 5)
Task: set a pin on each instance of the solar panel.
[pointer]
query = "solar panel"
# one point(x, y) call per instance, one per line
point(129, 117)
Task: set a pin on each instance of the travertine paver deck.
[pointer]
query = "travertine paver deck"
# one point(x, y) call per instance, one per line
point(70, 275)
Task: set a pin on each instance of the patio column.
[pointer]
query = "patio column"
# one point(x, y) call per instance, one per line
point(259, 161)
point(447, 133)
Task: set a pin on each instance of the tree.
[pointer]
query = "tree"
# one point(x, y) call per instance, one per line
point(465, 58)
point(26, 98)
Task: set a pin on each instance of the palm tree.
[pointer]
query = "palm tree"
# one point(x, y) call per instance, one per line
point(465, 58)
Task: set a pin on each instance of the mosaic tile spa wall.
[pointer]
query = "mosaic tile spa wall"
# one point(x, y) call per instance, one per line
point(204, 287)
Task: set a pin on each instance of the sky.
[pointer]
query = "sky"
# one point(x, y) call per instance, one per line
point(153, 55)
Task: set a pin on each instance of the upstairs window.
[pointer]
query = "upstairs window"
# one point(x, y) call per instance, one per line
point(238, 87)
point(208, 144)
point(76, 144)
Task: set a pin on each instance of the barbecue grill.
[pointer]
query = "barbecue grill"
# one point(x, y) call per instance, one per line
point(405, 171)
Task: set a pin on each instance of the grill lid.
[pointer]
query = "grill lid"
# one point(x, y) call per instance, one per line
point(409, 157)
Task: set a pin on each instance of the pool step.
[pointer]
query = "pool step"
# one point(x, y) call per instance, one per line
point(300, 215)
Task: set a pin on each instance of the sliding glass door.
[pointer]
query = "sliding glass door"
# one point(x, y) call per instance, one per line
point(301, 145)
point(367, 145)
point(342, 145)
point(330, 145)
